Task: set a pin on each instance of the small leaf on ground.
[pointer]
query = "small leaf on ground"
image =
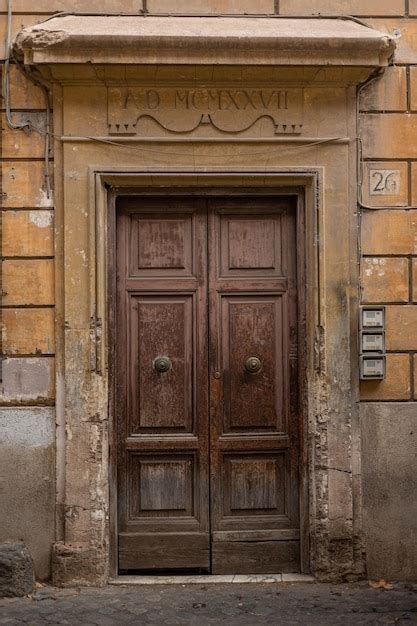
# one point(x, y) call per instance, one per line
point(380, 584)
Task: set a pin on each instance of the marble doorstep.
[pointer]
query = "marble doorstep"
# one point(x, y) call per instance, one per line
point(212, 580)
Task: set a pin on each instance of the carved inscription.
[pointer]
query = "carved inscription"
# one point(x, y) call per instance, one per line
point(183, 110)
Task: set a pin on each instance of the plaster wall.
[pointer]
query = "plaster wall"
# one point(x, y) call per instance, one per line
point(27, 486)
point(32, 283)
point(389, 445)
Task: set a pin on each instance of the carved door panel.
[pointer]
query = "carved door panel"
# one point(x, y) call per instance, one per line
point(163, 493)
point(206, 301)
point(253, 373)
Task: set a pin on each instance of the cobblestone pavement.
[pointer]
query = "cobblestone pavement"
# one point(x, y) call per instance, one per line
point(200, 605)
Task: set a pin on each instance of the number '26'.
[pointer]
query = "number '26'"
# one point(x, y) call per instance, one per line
point(385, 181)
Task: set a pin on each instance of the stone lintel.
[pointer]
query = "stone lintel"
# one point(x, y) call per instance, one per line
point(212, 40)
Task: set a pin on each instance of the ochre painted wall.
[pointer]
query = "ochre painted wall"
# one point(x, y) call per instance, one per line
point(389, 269)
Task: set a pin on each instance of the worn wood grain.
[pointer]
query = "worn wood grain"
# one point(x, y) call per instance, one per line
point(162, 417)
point(173, 255)
point(159, 551)
point(266, 557)
point(255, 416)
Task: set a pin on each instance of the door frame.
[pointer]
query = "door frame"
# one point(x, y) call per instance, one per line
point(301, 185)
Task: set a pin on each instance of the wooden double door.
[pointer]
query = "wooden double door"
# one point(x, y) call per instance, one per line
point(207, 405)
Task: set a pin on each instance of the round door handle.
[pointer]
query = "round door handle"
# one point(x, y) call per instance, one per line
point(253, 365)
point(162, 364)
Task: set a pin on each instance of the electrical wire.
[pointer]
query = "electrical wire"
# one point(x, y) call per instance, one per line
point(128, 146)
point(28, 125)
point(360, 158)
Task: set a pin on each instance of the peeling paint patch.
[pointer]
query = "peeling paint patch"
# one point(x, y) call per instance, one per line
point(97, 516)
point(42, 199)
point(42, 219)
point(68, 432)
point(378, 267)
point(83, 256)
point(72, 175)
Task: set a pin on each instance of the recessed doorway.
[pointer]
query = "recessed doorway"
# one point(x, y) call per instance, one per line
point(207, 404)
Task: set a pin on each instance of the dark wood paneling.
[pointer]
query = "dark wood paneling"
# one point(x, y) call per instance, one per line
point(252, 326)
point(254, 484)
point(162, 326)
point(159, 551)
point(163, 469)
point(174, 257)
point(250, 244)
point(266, 557)
point(255, 416)
point(162, 486)
point(161, 245)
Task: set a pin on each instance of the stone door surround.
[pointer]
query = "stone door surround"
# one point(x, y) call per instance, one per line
point(152, 105)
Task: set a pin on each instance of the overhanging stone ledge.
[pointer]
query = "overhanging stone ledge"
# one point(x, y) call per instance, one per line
point(212, 40)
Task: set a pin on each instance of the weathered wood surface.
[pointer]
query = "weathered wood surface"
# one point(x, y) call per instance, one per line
point(174, 255)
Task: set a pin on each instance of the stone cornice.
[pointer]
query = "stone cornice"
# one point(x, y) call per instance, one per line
point(76, 39)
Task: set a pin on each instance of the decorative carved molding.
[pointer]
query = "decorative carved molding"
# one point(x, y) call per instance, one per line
point(183, 110)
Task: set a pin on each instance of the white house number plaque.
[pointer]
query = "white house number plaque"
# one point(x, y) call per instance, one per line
point(384, 182)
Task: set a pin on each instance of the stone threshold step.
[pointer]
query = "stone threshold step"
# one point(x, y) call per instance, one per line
point(212, 580)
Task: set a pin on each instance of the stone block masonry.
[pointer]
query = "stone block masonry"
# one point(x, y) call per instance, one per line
point(201, 7)
point(27, 481)
point(27, 417)
point(388, 236)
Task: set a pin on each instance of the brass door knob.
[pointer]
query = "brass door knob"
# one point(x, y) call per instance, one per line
point(162, 364)
point(253, 365)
